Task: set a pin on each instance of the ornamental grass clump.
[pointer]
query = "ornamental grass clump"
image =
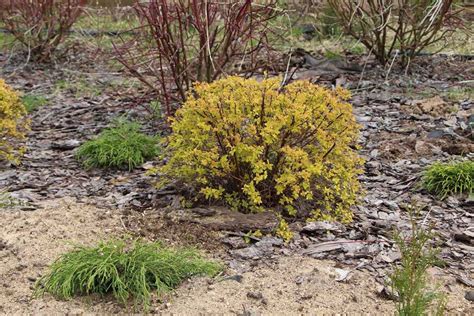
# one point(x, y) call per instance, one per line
point(255, 145)
point(33, 102)
point(121, 146)
point(13, 124)
point(128, 272)
point(450, 178)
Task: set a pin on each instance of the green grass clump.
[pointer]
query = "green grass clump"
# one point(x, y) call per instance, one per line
point(120, 146)
point(416, 296)
point(6, 40)
point(6, 200)
point(129, 272)
point(32, 102)
point(445, 179)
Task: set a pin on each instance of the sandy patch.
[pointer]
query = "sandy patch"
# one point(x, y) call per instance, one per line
point(31, 240)
point(298, 286)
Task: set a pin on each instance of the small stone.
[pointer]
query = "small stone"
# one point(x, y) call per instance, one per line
point(435, 134)
point(374, 153)
point(248, 253)
point(353, 234)
point(323, 227)
point(267, 242)
point(235, 242)
point(65, 145)
point(236, 277)
point(299, 279)
point(383, 215)
point(469, 296)
point(470, 119)
point(391, 205)
point(309, 31)
point(255, 295)
point(21, 267)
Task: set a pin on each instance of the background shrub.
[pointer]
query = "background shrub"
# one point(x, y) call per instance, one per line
point(120, 146)
point(13, 124)
point(407, 25)
point(40, 25)
point(128, 272)
point(193, 40)
point(445, 179)
point(255, 145)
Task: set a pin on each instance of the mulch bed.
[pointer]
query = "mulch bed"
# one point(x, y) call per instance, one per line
point(397, 141)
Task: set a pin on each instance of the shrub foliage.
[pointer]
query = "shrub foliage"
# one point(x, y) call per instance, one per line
point(120, 146)
point(445, 179)
point(255, 145)
point(13, 124)
point(40, 25)
point(126, 272)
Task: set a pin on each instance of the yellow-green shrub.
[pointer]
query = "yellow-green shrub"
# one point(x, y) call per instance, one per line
point(13, 123)
point(253, 146)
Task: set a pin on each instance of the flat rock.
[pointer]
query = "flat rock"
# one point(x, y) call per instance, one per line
point(469, 296)
point(323, 227)
point(65, 145)
point(248, 253)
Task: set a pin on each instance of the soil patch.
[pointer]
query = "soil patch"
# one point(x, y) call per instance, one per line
point(280, 288)
point(33, 240)
point(151, 224)
point(30, 241)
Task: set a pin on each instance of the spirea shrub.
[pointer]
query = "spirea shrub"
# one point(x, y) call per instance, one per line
point(13, 124)
point(254, 145)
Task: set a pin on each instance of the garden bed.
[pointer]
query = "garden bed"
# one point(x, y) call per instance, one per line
point(409, 120)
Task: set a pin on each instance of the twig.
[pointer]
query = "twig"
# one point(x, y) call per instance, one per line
point(363, 69)
point(285, 77)
point(391, 65)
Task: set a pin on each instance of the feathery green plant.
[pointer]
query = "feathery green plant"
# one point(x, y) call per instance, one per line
point(5, 199)
point(445, 179)
point(129, 272)
point(120, 146)
point(8, 201)
point(32, 102)
point(409, 280)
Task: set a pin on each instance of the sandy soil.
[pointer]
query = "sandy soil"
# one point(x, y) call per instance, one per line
point(299, 286)
point(30, 240)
